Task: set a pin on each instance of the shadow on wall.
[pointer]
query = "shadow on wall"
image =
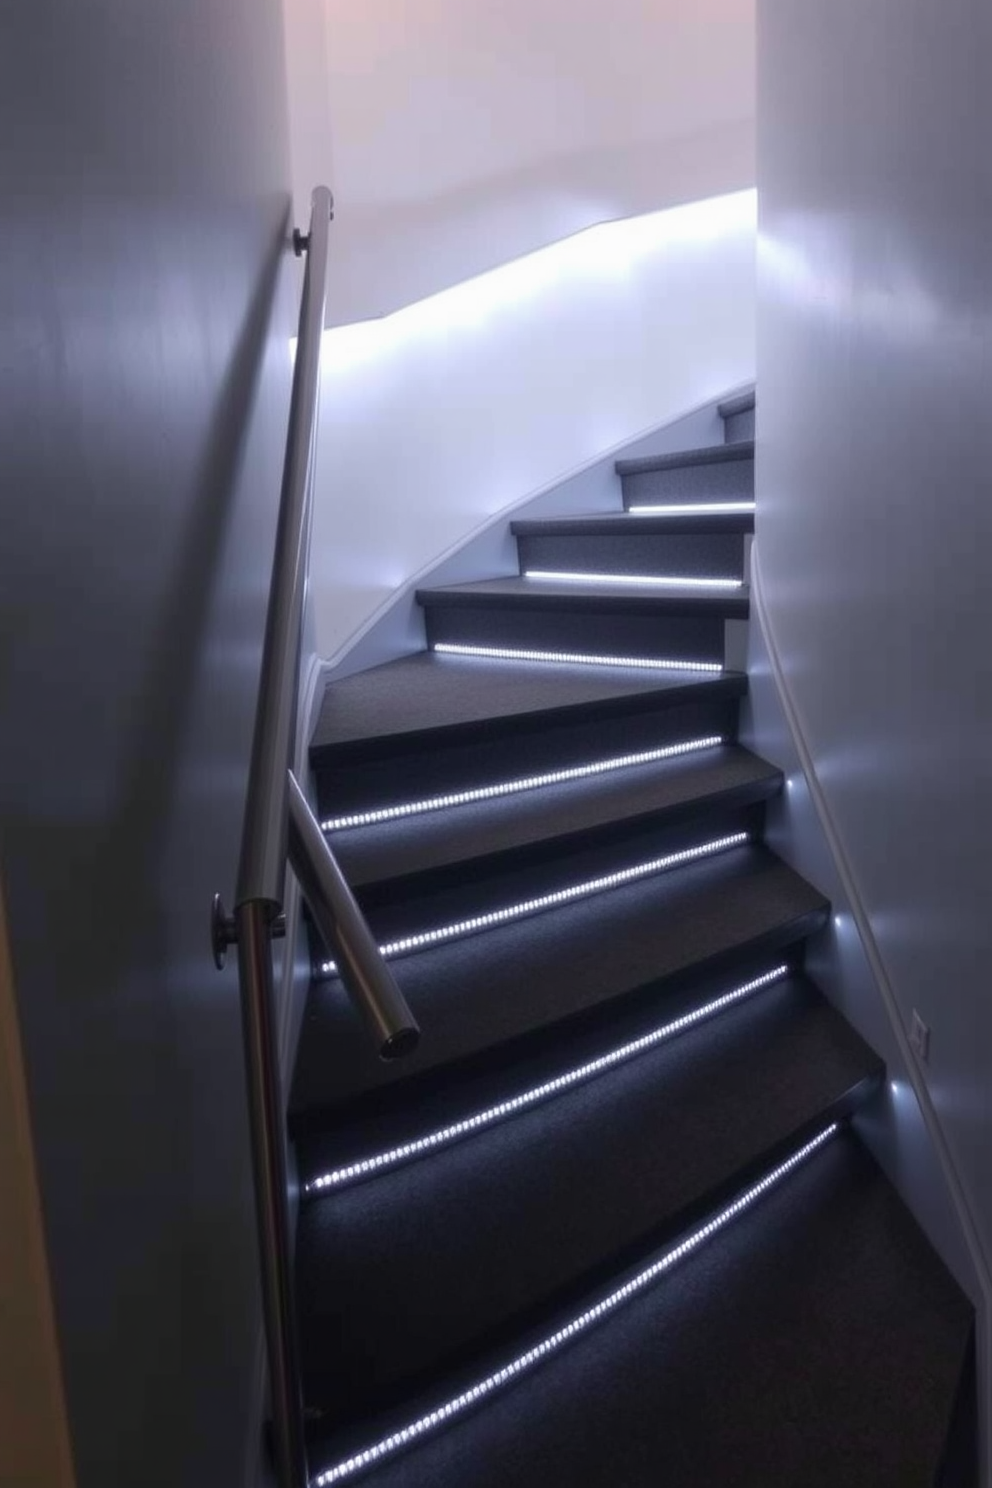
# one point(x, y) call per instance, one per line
point(118, 861)
point(131, 694)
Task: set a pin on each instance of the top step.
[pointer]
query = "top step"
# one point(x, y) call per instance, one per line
point(743, 403)
point(738, 417)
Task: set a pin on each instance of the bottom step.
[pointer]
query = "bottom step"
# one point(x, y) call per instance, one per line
point(811, 1339)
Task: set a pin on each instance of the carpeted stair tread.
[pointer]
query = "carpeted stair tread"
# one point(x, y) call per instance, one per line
point(387, 1121)
point(604, 598)
point(623, 524)
point(711, 454)
point(475, 994)
point(397, 908)
point(380, 773)
point(582, 1184)
point(427, 694)
point(666, 789)
point(815, 1342)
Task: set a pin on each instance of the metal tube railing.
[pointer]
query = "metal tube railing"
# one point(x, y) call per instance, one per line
point(278, 821)
point(341, 923)
point(267, 1118)
point(262, 868)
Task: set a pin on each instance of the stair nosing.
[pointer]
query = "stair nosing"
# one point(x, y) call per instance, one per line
point(731, 407)
point(627, 524)
point(608, 600)
point(315, 1100)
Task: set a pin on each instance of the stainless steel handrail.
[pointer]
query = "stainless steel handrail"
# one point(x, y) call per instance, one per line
point(343, 927)
point(278, 824)
point(263, 845)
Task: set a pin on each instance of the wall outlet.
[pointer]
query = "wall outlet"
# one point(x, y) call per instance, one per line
point(919, 1036)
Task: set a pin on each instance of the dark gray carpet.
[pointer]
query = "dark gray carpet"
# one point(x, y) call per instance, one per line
point(428, 693)
point(783, 1353)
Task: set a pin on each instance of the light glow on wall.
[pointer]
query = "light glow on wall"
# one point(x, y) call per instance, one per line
point(606, 253)
point(427, 1424)
point(664, 581)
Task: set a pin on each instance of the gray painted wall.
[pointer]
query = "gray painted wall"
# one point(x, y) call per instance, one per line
point(874, 517)
point(146, 302)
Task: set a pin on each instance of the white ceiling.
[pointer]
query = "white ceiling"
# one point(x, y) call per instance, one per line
point(427, 96)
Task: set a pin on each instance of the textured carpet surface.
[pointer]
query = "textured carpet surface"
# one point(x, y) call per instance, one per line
point(783, 1352)
point(474, 994)
point(428, 693)
point(712, 454)
point(569, 1187)
point(667, 789)
point(627, 524)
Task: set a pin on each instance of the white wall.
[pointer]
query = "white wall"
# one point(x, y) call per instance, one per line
point(309, 101)
point(436, 418)
point(469, 132)
point(874, 490)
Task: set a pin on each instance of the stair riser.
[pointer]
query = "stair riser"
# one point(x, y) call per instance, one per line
point(728, 480)
point(391, 1117)
point(397, 909)
point(338, 1071)
point(561, 846)
point(578, 631)
point(690, 555)
point(442, 764)
point(739, 426)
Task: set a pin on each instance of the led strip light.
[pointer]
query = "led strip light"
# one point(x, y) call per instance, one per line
point(525, 907)
point(693, 509)
point(670, 581)
point(514, 787)
point(469, 1125)
point(574, 658)
point(424, 1425)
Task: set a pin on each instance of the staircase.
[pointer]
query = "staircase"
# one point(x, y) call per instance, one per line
point(609, 1225)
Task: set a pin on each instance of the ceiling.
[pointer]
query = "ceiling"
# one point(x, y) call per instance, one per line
point(460, 133)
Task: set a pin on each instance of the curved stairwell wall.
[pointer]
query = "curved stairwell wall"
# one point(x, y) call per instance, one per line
point(436, 419)
point(874, 520)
